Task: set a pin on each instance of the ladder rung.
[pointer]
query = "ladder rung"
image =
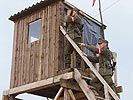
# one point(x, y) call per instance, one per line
point(99, 98)
point(86, 78)
point(91, 87)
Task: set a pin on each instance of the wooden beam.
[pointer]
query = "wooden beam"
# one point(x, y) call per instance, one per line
point(59, 93)
point(18, 99)
point(91, 87)
point(66, 94)
point(114, 95)
point(86, 78)
point(115, 70)
point(69, 75)
point(106, 93)
point(38, 85)
point(99, 98)
point(77, 96)
point(119, 89)
point(5, 97)
point(70, 84)
point(71, 94)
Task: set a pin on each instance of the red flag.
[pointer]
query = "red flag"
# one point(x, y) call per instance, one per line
point(93, 3)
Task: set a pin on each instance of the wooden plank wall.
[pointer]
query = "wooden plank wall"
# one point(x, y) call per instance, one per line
point(41, 59)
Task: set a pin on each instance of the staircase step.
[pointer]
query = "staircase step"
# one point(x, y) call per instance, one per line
point(86, 78)
point(91, 87)
point(99, 98)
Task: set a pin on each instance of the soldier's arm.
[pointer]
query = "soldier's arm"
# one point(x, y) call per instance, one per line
point(103, 51)
point(92, 48)
point(79, 23)
point(93, 59)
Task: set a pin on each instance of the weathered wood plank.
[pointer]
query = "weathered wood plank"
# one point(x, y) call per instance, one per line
point(54, 67)
point(106, 93)
point(44, 58)
point(13, 68)
point(55, 41)
point(18, 74)
point(50, 69)
point(59, 93)
point(115, 70)
point(47, 45)
point(119, 89)
point(71, 94)
point(61, 37)
point(66, 94)
point(39, 84)
point(40, 70)
point(70, 84)
point(23, 52)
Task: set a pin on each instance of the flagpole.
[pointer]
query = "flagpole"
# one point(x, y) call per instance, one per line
point(101, 19)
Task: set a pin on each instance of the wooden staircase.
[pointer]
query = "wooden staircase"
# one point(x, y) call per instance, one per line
point(81, 80)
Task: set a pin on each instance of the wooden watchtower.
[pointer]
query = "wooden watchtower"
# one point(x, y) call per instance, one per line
point(38, 54)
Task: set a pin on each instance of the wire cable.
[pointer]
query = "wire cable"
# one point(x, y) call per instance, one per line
point(108, 7)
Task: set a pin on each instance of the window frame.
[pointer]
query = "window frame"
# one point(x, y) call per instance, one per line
point(28, 26)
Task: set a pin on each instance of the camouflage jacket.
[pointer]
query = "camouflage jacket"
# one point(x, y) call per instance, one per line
point(74, 26)
point(104, 59)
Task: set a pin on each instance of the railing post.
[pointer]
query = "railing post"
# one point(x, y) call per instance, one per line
point(106, 92)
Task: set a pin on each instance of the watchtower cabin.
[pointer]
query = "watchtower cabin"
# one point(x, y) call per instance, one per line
point(38, 55)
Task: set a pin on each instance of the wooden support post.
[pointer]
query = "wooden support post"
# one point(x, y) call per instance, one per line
point(41, 44)
point(114, 95)
point(66, 94)
point(5, 97)
point(106, 92)
point(119, 89)
point(71, 94)
point(59, 93)
point(70, 84)
point(101, 19)
point(115, 71)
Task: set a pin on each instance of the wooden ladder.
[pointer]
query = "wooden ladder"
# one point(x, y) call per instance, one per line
point(82, 83)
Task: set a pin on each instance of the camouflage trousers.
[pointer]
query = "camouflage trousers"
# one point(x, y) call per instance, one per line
point(98, 85)
point(69, 50)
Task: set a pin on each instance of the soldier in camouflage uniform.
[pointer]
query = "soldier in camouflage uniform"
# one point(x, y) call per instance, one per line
point(105, 66)
point(74, 25)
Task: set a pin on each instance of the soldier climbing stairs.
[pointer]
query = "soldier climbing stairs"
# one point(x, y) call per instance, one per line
point(89, 93)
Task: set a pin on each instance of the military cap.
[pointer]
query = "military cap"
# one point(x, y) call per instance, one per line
point(76, 9)
point(102, 41)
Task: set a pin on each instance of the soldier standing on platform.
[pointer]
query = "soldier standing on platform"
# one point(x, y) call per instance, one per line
point(104, 60)
point(74, 25)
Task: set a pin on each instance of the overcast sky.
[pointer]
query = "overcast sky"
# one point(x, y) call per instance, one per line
point(119, 21)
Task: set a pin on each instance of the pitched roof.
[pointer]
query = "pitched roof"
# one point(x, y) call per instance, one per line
point(32, 8)
point(44, 3)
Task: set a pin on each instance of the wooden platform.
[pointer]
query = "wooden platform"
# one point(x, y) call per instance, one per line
point(46, 88)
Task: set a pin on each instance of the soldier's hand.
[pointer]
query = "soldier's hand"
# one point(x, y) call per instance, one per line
point(69, 12)
point(84, 54)
point(82, 44)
